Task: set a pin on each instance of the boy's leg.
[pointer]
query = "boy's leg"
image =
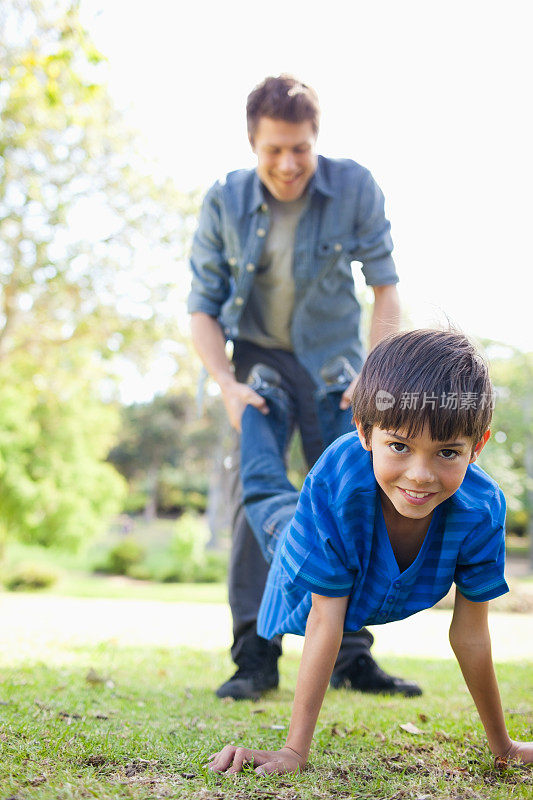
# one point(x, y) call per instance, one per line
point(269, 497)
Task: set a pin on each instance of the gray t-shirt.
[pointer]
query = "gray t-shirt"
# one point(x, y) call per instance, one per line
point(266, 320)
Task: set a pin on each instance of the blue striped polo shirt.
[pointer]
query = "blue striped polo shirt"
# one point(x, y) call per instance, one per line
point(337, 545)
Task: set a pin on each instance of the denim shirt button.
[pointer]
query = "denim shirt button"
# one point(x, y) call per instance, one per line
point(239, 301)
point(264, 208)
point(250, 267)
point(232, 261)
point(397, 585)
point(261, 232)
point(337, 247)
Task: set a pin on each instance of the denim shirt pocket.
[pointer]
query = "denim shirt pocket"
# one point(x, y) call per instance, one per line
point(333, 259)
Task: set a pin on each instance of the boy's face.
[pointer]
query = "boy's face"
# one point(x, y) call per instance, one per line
point(418, 473)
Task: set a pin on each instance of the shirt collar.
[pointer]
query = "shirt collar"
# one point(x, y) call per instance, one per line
point(318, 182)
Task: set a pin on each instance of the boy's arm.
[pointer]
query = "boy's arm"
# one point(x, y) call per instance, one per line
point(470, 640)
point(323, 635)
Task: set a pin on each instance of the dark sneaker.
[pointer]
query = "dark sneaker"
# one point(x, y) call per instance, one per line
point(249, 684)
point(364, 675)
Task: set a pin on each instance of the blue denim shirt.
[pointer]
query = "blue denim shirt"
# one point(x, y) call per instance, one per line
point(344, 221)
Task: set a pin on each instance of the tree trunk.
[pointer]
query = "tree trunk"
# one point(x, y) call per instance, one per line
point(150, 510)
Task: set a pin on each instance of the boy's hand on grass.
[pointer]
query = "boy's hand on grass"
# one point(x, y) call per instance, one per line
point(232, 759)
point(519, 751)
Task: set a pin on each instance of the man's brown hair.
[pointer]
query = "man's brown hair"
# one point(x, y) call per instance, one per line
point(284, 97)
point(425, 377)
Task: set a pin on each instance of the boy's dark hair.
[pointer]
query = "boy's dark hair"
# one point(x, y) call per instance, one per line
point(284, 97)
point(425, 377)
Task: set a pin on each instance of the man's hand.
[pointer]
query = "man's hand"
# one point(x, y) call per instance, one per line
point(346, 399)
point(236, 397)
point(232, 759)
point(518, 751)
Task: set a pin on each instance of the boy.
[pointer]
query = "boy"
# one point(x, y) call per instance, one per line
point(387, 519)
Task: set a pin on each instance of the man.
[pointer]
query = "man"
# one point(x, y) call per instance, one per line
point(271, 263)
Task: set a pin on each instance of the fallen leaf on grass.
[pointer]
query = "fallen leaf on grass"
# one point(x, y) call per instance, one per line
point(93, 678)
point(96, 761)
point(408, 727)
point(258, 710)
point(336, 731)
point(423, 718)
point(36, 781)
point(139, 765)
point(68, 715)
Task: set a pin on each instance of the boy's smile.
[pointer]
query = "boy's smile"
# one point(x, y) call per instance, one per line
point(417, 473)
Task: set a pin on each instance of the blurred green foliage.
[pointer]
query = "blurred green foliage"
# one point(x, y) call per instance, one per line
point(123, 557)
point(166, 451)
point(86, 237)
point(29, 577)
point(179, 558)
point(506, 455)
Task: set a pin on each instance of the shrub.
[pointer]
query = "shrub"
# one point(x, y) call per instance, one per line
point(123, 557)
point(213, 569)
point(29, 577)
point(135, 502)
point(180, 491)
point(187, 548)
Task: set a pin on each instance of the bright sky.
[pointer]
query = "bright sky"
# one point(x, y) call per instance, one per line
point(431, 96)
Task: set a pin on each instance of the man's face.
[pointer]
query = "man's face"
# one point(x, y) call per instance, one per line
point(417, 474)
point(286, 159)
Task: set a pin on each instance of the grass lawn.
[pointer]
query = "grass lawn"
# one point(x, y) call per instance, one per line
point(142, 723)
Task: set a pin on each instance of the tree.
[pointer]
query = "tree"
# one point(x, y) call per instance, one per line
point(86, 239)
point(165, 443)
point(152, 436)
point(509, 456)
point(55, 488)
